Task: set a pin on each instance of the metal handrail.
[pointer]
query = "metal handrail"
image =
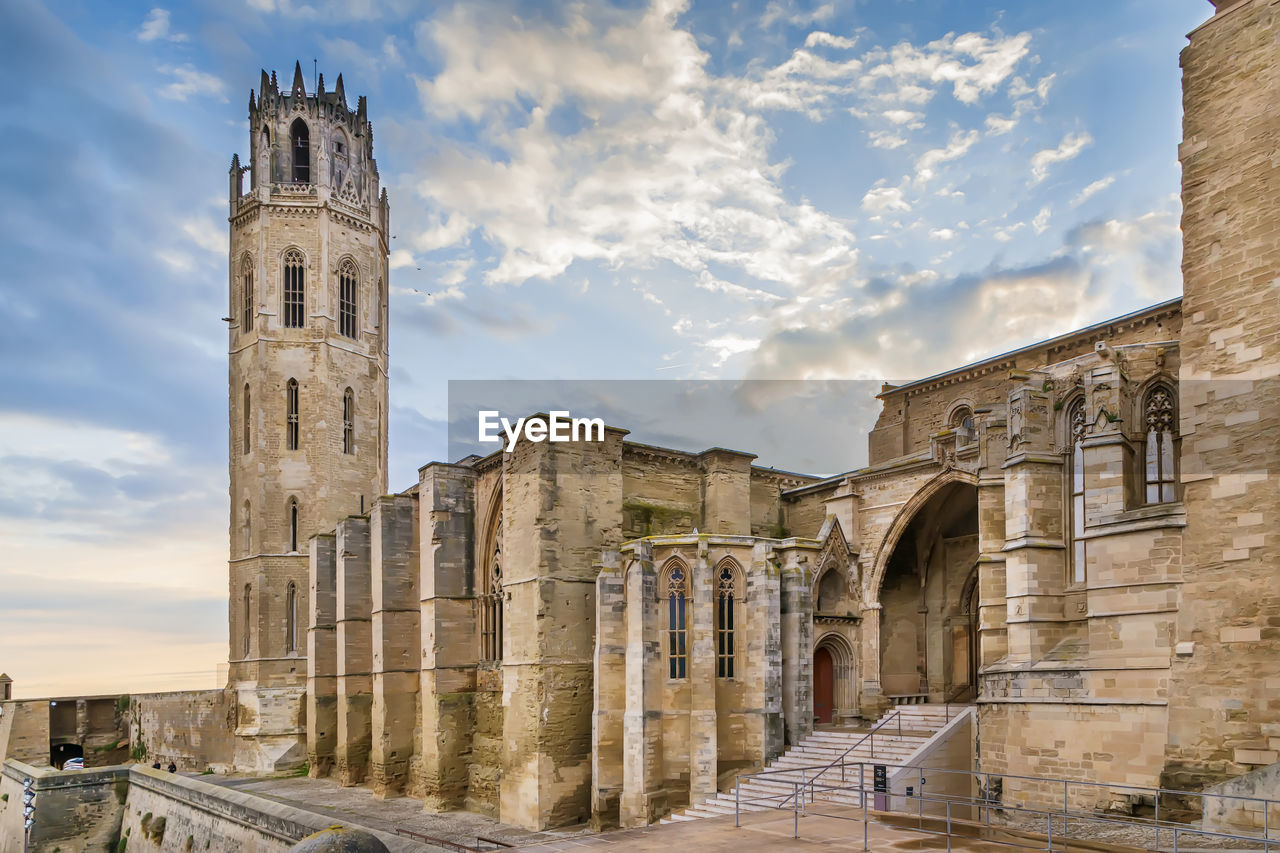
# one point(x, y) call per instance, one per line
point(869, 735)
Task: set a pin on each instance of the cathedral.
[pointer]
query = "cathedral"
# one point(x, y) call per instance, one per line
point(1075, 538)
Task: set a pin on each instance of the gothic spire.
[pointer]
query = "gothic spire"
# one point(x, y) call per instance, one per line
point(299, 88)
point(340, 93)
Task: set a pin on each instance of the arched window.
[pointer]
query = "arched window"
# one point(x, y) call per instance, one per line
point(248, 604)
point(727, 594)
point(246, 421)
point(1076, 431)
point(962, 423)
point(247, 529)
point(1161, 422)
point(291, 414)
point(348, 422)
point(382, 303)
point(291, 617)
point(491, 602)
point(246, 291)
point(347, 282)
point(831, 591)
point(300, 145)
point(677, 627)
point(293, 525)
point(295, 289)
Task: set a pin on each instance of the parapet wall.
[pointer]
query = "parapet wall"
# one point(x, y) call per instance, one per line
point(193, 729)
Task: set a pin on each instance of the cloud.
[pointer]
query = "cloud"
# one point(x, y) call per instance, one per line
point(1092, 190)
point(885, 200)
point(156, 26)
point(999, 125)
point(1068, 149)
point(973, 64)
point(957, 147)
point(886, 139)
point(189, 81)
point(1041, 222)
point(785, 10)
point(818, 38)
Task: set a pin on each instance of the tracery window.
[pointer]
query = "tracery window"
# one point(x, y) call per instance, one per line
point(347, 284)
point(1161, 422)
point(246, 292)
point(246, 421)
point(677, 632)
point(348, 422)
point(726, 599)
point(295, 289)
point(962, 423)
point(293, 525)
point(291, 414)
point(291, 617)
point(300, 144)
point(1076, 432)
point(491, 603)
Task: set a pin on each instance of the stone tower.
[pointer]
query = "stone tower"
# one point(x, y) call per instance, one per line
point(307, 381)
point(1223, 717)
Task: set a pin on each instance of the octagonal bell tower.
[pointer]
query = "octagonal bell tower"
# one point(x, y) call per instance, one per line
point(307, 382)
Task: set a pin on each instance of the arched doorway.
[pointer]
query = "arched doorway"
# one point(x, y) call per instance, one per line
point(927, 641)
point(824, 685)
point(61, 753)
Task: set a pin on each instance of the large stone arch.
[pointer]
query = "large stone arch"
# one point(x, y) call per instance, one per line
point(917, 502)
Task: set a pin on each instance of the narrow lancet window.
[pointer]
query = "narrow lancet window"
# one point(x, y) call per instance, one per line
point(677, 634)
point(291, 617)
point(726, 592)
point(247, 308)
point(295, 289)
point(1076, 426)
point(347, 301)
point(248, 603)
point(246, 421)
point(491, 604)
point(300, 144)
point(348, 422)
point(291, 414)
point(293, 525)
point(1161, 420)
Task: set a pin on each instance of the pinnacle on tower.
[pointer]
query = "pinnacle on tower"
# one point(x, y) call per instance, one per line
point(320, 87)
point(299, 89)
point(340, 93)
point(264, 86)
point(253, 106)
point(275, 87)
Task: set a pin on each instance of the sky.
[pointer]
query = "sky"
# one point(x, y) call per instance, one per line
point(674, 189)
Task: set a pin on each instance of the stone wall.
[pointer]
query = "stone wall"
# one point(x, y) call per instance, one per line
point(24, 731)
point(193, 729)
point(76, 810)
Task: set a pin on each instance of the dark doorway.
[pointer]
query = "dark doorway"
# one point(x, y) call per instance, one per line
point(60, 753)
point(823, 685)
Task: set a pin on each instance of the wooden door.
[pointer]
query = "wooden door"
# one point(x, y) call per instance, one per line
point(824, 683)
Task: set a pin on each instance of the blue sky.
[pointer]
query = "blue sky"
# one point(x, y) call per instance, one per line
point(685, 190)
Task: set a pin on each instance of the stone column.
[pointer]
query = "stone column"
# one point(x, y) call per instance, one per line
point(322, 652)
point(993, 640)
point(703, 749)
point(396, 641)
point(610, 692)
point(768, 591)
point(355, 659)
point(642, 720)
point(873, 700)
point(446, 495)
point(793, 603)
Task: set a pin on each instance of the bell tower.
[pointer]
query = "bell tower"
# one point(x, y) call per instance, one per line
point(307, 376)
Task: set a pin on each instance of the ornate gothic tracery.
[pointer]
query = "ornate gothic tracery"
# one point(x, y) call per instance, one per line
point(1160, 419)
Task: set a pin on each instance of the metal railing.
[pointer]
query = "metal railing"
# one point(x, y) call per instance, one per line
point(455, 846)
point(805, 791)
point(871, 735)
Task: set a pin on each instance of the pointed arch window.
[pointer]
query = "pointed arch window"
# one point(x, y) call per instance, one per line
point(962, 423)
point(491, 602)
point(727, 595)
point(348, 282)
point(295, 289)
point(677, 622)
point(246, 420)
point(246, 293)
point(348, 421)
point(291, 617)
point(291, 414)
point(300, 145)
point(293, 525)
point(248, 604)
point(1076, 432)
point(1161, 421)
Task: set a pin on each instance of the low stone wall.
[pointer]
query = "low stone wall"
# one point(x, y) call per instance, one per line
point(951, 748)
point(192, 728)
point(1223, 812)
point(92, 811)
point(24, 731)
point(76, 810)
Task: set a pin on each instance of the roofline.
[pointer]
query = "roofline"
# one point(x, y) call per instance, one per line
point(1046, 343)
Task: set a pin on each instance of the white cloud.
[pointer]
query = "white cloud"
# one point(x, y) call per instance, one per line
point(999, 125)
point(1069, 148)
point(957, 147)
point(207, 234)
point(942, 234)
point(885, 200)
point(1041, 221)
point(1092, 190)
point(973, 64)
point(886, 139)
point(157, 26)
point(785, 10)
point(189, 81)
point(818, 38)
point(906, 117)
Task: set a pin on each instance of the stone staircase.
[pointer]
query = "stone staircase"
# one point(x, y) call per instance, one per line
point(919, 723)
